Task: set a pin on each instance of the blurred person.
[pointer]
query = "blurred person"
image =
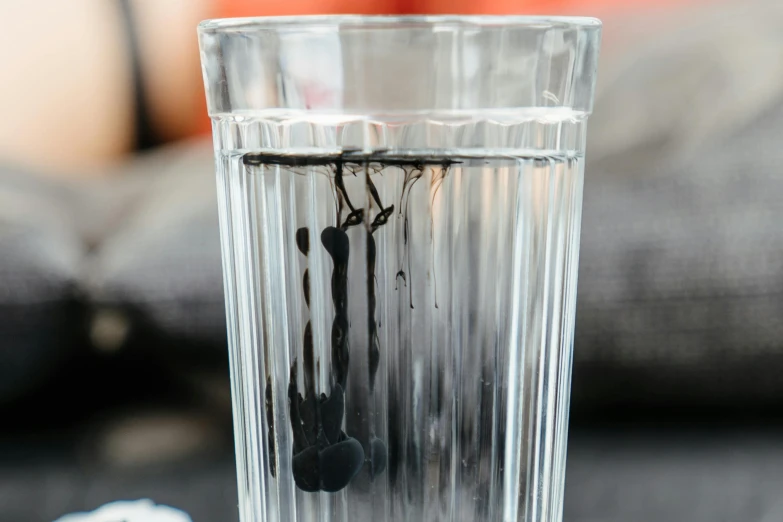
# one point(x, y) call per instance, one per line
point(87, 82)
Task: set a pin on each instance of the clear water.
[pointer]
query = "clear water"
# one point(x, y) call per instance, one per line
point(426, 382)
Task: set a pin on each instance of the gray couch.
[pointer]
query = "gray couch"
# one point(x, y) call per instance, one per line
point(679, 347)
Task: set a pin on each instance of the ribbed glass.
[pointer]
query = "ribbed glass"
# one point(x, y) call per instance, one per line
point(400, 205)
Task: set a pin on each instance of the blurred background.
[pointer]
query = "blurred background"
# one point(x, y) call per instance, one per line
point(113, 364)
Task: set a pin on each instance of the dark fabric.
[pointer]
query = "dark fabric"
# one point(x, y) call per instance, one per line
point(40, 259)
point(679, 474)
point(615, 474)
point(162, 263)
point(207, 491)
point(681, 270)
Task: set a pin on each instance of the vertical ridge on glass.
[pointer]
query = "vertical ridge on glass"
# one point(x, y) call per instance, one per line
point(459, 326)
point(245, 326)
point(234, 352)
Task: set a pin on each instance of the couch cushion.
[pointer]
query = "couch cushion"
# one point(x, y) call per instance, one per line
point(40, 256)
point(161, 264)
point(681, 276)
point(710, 473)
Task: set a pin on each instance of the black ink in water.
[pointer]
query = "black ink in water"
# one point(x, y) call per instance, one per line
point(325, 458)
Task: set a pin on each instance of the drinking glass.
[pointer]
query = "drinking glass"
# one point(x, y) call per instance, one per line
point(400, 204)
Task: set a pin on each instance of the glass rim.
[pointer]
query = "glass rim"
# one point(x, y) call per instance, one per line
point(304, 22)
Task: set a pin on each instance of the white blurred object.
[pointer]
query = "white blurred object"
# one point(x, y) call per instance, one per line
point(133, 511)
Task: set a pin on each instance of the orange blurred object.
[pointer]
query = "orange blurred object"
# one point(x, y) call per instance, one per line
point(243, 8)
